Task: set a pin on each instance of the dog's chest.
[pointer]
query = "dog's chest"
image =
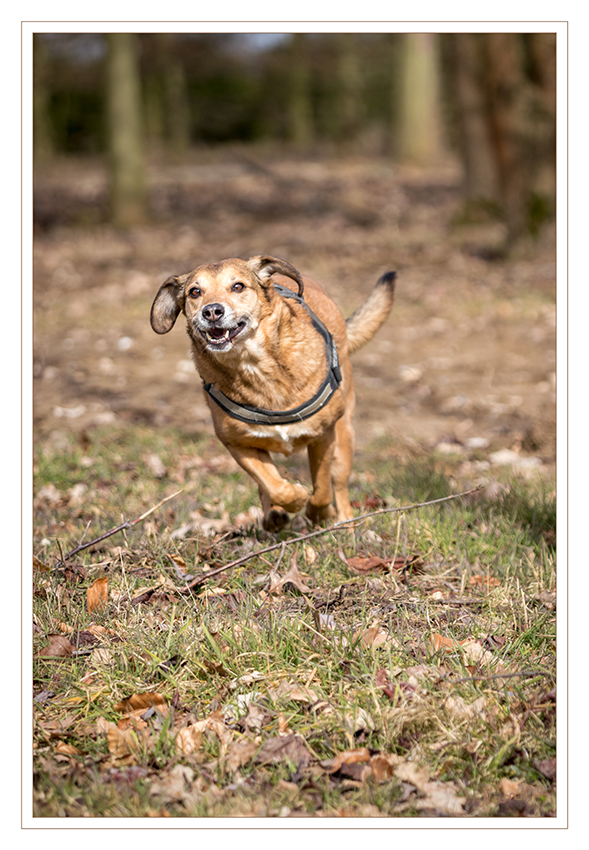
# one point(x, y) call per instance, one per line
point(282, 437)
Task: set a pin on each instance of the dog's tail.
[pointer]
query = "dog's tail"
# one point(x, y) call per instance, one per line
point(367, 319)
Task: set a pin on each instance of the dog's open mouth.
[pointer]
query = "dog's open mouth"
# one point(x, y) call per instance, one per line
point(222, 337)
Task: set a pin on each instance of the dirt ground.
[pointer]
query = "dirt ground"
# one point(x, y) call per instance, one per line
point(466, 361)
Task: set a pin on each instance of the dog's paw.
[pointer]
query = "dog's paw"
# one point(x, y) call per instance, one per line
point(275, 519)
point(292, 498)
point(319, 513)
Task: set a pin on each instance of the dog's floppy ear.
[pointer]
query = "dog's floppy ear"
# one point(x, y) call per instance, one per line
point(167, 304)
point(265, 267)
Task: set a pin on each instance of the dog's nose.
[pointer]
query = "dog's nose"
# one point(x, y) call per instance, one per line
point(213, 312)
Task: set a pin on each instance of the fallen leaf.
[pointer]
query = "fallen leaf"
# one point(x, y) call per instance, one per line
point(509, 788)
point(180, 785)
point(476, 654)
point(247, 679)
point(58, 647)
point(457, 707)
point(215, 723)
point(97, 595)
point(293, 577)
point(39, 566)
point(441, 642)
point(484, 581)
point(188, 740)
point(64, 749)
point(358, 721)
point(367, 564)
point(125, 742)
point(284, 748)
point(292, 691)
point(383, 766)
point(547, 767)
point(372, 637)
point(141, 702)
point(354, 756)
point(240, 753)
point(440, 796)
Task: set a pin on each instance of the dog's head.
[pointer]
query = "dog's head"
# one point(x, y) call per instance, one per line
point(223, 302)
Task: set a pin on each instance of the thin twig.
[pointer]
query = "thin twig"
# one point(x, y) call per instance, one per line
point(122, 527)
point(338, 526)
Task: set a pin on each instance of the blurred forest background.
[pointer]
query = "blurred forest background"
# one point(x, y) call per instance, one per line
point(344, 153)
point(488, 99)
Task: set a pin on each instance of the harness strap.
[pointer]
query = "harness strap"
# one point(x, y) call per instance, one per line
point(260, 416)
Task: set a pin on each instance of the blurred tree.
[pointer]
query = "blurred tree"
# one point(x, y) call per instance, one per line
point(300, 110)
point(43, 147)
point(128, 193)
point(468, 71)
point(348, 93)
point(175, 97)
point(420, 119)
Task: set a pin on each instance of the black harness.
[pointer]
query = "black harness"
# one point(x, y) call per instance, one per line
point(259, 416)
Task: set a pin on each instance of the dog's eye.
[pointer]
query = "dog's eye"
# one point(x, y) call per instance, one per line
point(238, 287)
point(194, 292)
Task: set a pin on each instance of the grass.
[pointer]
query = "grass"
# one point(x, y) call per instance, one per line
point(395, 693)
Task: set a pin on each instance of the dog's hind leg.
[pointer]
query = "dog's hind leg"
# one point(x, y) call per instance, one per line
point(342, 465)
point(321, 454)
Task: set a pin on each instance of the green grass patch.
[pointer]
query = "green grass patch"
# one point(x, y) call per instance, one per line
point(402, 691)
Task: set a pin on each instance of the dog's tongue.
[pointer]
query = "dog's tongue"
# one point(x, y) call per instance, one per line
point(217, 333)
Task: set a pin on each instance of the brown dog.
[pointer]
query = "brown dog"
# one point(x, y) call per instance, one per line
point(276, 370)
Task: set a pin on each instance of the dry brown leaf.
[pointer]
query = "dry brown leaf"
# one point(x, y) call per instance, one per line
point(180, 563)
point(383, 766)
point(441, 642)
point(367, 564)
point(240, 753)
point(215, 723)
point(284, 748)
point(457, 707)
point(141, 702)
point(294, 577)
point(97, 595)
point(354, 756)
point(180, 785)
point(39, 566)
point(64, 749)
point(476, 654)
point(58, 647)
point(188, 740)
point(438, 795)
point(359, 720)
point(484, 581)
point(509, 788)
point(125, 742)
point(293, 691)
point(373, 637)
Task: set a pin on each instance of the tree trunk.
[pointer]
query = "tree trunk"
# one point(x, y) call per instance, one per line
point(349, 91)
point(506, 87)
point(480, 172)
point(175, 98)
point(420, 121)
point(128, 194)
point(42, 130)
point(300, 112)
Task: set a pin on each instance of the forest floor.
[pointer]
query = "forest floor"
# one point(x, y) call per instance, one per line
point(457, 390)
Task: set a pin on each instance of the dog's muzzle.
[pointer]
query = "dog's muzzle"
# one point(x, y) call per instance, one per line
point(218, 326)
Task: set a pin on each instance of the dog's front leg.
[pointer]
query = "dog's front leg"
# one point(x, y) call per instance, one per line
point(321, 454)
point(277, 495)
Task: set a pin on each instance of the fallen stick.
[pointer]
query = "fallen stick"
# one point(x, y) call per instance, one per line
point(338, 526)
point(122, 527)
